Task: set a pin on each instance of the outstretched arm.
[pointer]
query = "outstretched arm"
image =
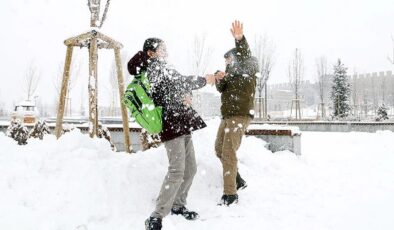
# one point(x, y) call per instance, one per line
point(241, 45)
point(194, 82)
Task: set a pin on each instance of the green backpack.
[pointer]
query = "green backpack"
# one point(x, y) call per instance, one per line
point(141, 106)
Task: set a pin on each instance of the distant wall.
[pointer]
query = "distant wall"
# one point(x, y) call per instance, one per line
point(337, 126)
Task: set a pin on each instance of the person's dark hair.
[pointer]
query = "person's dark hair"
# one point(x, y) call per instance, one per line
point(152, 44)
point(138, 63)
point(232, 52)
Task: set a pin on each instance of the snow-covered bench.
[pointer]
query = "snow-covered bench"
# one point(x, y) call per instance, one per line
point(278, 137)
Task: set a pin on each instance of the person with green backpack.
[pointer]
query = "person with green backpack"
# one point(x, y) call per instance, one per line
point(170, 93)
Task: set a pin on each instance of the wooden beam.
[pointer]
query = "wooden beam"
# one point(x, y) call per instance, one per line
point(93, 113)
point(83, 39)
point(125, 119)
point(105, 45)
point(109, 40)
point(63, 92)
point(79, 39)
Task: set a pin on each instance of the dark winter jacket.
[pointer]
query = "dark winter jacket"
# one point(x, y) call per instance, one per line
point(168, 90)
point(239, 85)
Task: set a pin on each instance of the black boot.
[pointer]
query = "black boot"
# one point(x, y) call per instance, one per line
point(189, 215)
point(241, 183)
point(153, 223)
point(229, 199)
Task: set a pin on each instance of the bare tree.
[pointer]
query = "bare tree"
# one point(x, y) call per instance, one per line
point(112, 88)
point(57, 82)
point(200, 57)
point(383, 87)
point(374, 94)
point(264, 50)
point(391, 58)
point(296, 72)
point(322, 79)
point(82, 105)
point(2, 107)
point(113, 83)
point(355, 84)
point(31, 81)
point(94, 7)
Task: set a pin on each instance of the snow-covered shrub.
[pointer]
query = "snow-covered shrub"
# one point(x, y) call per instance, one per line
point(382, 113)
point(103, 132)
point(18, 132)
point(39, 130)
point(148, 140)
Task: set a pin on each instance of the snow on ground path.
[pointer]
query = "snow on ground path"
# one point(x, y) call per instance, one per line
point(342, 181)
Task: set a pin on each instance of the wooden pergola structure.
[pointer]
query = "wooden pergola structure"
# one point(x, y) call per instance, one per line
point(93, 40)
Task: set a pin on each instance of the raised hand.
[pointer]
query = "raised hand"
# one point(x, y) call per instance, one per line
point(237, 30)
point(220, 75)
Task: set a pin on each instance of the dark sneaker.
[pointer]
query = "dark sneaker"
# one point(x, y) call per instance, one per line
point(241, 183)
point(153, 223)
point(189, 215)
point(229, 199)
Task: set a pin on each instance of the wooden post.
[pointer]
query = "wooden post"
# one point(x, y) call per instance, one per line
point(93, 113)
point(63, 92)
point(128, 147)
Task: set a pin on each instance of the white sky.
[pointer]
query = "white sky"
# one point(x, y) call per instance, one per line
point(357, 31)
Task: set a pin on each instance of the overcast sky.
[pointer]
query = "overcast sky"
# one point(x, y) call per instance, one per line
point(33, 31)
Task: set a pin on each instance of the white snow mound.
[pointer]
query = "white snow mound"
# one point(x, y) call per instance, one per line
point(342, 181)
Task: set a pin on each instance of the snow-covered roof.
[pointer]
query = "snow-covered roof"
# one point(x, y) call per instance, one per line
point(26, 103)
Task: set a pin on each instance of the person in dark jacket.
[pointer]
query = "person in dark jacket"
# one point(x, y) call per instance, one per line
point(237, 87)
point(172, 91)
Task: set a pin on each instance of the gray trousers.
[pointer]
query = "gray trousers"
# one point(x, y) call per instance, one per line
point(181, 170)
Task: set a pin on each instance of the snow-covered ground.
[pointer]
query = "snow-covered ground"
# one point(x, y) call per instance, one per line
point(342, 181)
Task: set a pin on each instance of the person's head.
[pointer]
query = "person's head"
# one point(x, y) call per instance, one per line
point(230, 56)
point(155, 48)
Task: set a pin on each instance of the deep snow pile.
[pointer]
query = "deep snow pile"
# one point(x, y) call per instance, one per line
point(342, 181)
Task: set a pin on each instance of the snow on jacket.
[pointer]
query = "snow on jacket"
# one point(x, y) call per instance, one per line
point(168, 90)
point(239, 85)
